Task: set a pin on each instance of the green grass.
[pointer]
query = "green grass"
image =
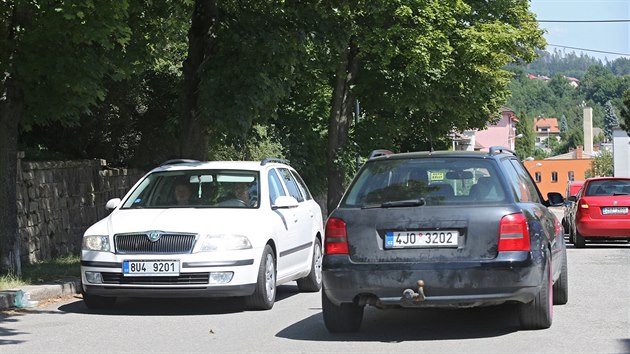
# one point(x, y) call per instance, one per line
point(42, 272)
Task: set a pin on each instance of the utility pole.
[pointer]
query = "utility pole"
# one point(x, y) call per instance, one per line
point(356, 124)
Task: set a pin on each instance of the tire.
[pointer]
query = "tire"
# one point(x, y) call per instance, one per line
point(579, 240)
point(538, 313)
point(561, 286)
point(95, 302)
point(313, 281)
point(264, 296)
point(571, 236)
point(346, 317)
point(565, 226)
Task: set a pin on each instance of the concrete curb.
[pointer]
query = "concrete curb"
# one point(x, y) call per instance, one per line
point(40, 292)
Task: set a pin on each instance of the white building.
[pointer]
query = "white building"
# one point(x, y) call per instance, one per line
point(621, 153)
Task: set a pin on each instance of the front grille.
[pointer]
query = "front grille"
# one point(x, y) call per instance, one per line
point(167, 244)
point(181, 279)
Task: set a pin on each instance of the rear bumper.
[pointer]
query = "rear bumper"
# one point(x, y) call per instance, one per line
point(604, 228)
point(512, 276)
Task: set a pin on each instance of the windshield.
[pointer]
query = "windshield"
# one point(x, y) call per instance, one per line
point(426, 181)
point(197, 189)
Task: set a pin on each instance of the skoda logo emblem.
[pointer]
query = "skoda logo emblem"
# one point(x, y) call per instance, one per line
point(154, 235)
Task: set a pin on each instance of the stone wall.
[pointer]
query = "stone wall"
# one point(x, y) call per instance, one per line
point(58, 200)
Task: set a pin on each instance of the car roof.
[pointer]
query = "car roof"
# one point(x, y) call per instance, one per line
point(607, 179)
point(429, 154)
point(215, 165)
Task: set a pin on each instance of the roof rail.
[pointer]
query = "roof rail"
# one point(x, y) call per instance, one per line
point(379, 152)
point(177, 161)
point(267, 160)
point(498, 149)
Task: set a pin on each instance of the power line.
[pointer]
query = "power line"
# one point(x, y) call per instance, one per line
point(589, 50)
point(584, 21)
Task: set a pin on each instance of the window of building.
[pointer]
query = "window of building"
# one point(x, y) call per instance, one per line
point(554, 176)
point(538, 177)
point(571, 176)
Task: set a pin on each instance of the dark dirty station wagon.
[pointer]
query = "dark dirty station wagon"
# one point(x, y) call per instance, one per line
point(443, 229)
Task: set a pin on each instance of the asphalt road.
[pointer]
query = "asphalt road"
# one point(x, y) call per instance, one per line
point(596, 320)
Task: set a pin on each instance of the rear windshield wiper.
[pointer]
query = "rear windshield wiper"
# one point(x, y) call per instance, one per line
point(397, 203)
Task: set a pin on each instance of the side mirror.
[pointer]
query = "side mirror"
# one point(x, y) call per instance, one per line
point(555, 199)
point(573, 198)
point(112, 204)
point(285, 202)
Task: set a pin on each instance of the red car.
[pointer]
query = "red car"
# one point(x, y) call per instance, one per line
point(601, 211)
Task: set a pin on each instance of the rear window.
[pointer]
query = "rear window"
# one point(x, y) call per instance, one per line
point(438, 181)
point(608, 187)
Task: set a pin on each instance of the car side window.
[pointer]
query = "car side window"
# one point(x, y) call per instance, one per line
point(291, 184)
point(275, 186)
point(523, 186)
point(302, 185)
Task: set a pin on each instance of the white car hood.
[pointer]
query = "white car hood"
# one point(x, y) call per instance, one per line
point(188, 220)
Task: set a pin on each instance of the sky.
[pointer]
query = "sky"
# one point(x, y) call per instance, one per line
point(607, 37)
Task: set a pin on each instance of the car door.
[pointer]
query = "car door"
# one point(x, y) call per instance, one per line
point(297, 255)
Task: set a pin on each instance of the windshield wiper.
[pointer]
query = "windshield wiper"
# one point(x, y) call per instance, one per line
point(397, 204)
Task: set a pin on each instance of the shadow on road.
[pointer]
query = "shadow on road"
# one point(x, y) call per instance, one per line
point(401, 325)
point(174, 306)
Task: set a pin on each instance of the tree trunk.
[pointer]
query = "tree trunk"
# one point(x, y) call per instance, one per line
point(339, 125)
point(193, 138)
point(11, 104)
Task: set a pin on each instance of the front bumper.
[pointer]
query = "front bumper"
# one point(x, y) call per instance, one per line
point(193, 279)
point(512, 276)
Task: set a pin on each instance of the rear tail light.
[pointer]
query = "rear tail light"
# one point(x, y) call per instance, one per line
point(583, 204)
point(514, 233)
point(336, 240)
point(558, 229)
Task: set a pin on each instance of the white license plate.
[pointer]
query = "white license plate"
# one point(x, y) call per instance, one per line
point(615, 211)
point(154, 268)
point(421, 239)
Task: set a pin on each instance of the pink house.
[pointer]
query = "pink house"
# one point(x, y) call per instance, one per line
point(501, 133)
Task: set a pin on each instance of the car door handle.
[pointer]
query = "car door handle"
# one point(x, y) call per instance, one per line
point(310, 213)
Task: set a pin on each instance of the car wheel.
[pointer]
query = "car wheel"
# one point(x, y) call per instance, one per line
point(571, 235)
point(95, 302)
point(580, 242)
point(538, 313)
point(264, 296)
point(313, 281)
point(346, 317)
point(561, 286)
point(565, 226)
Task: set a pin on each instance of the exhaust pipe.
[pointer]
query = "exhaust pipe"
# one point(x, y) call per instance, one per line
point(411, 295)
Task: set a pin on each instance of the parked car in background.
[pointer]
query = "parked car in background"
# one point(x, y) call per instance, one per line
point(206, 229)
point(600, 211)
point(573, 187)
point(443, 229)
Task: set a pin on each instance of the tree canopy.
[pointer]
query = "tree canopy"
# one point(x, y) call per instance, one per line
point(55, 58)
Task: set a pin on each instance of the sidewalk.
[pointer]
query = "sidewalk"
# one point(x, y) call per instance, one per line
point(40, 292)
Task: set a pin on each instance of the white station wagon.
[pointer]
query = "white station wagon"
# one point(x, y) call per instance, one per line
point(206, 229)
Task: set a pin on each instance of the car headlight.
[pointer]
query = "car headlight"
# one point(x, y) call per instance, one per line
point(213, 243)
point(96, 243)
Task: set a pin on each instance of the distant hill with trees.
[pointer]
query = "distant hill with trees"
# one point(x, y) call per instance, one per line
point(543, 89)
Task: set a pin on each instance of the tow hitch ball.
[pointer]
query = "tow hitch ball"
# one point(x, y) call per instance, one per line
point(411, 295)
